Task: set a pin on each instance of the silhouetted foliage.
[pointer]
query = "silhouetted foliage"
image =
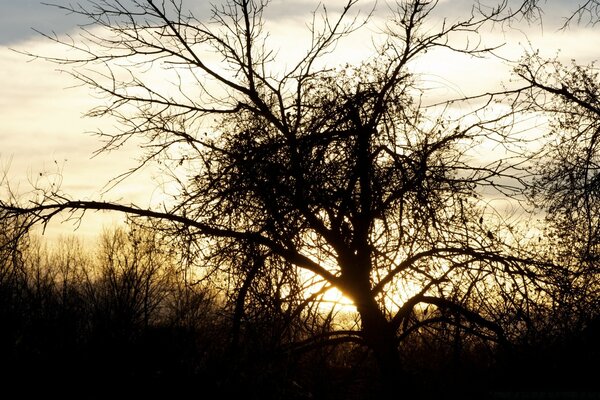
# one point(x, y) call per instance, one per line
point(566, 179)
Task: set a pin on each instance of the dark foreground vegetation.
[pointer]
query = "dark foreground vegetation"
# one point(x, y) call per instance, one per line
point(124, 319)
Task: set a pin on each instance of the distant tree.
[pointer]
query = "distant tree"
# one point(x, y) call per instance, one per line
point(292, 173)
point(563, 186)
point(567, 177)
point(133, 277)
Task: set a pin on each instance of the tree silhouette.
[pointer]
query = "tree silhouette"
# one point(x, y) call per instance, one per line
point(566, 184)
point(294, 173)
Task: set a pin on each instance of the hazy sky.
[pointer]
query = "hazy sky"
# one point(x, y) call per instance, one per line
point(43, 130)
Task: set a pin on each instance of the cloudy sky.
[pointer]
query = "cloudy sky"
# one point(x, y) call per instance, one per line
point(44, 139)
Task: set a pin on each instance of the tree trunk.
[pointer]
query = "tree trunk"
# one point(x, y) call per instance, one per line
point(380, 337)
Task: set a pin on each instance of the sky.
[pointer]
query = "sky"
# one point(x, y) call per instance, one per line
point(45, 139)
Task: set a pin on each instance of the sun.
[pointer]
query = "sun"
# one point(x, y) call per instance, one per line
point(334, 298)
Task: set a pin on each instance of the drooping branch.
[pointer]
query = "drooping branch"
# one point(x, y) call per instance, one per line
point(467, 314)
point(43, 213)
point(448, 305)
point(510, 262)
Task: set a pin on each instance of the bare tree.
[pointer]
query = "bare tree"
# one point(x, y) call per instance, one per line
point(566, 178)
point(338, 176)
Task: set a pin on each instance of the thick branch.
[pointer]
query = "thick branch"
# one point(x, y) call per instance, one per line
point(47, 211)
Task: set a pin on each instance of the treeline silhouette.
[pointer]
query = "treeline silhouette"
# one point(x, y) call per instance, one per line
point(126, 316)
